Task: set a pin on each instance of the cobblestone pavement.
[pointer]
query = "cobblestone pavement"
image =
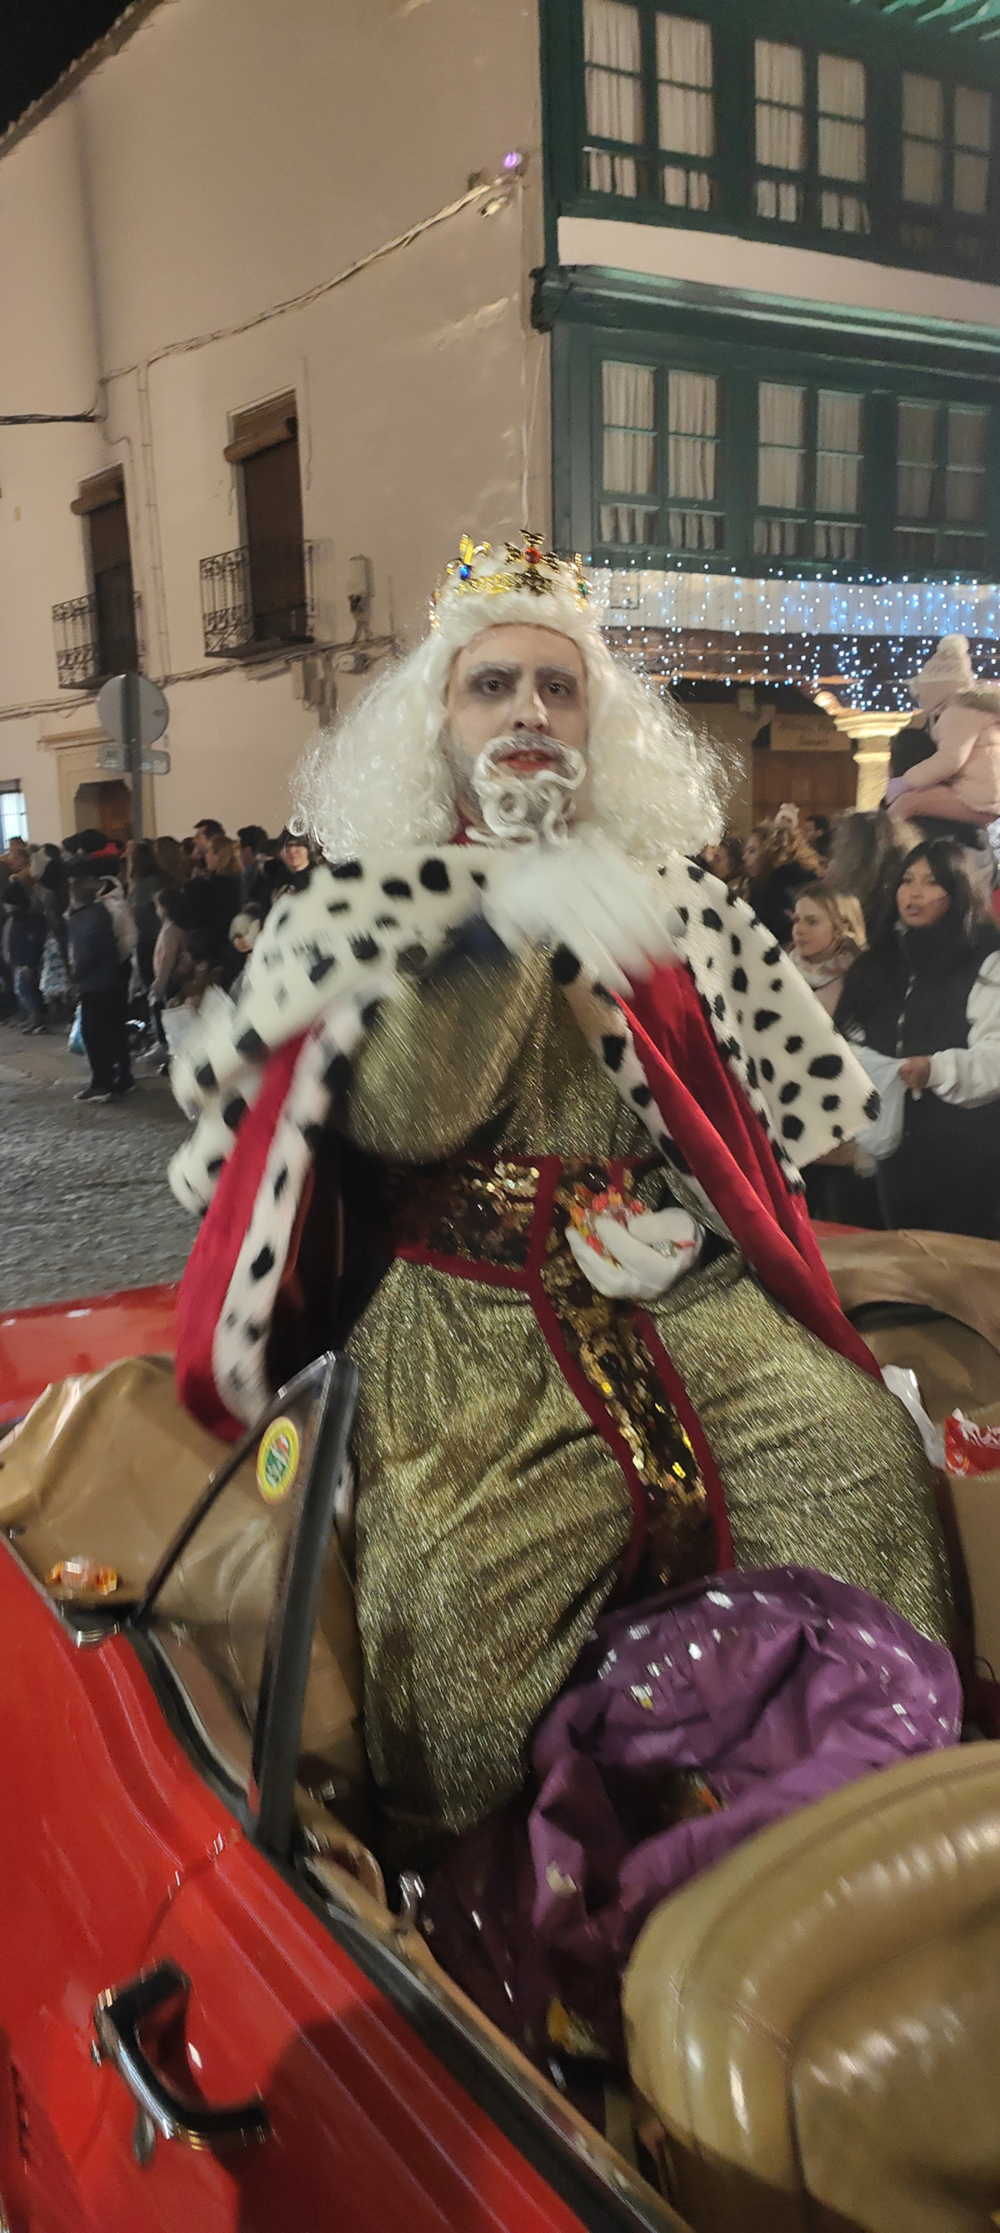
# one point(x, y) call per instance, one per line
point(84, 1203)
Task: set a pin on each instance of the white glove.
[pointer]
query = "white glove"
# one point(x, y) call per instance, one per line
point(587, 896)
point(641, 1259)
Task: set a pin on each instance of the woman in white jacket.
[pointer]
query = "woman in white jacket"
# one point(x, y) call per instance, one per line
point(928, 992)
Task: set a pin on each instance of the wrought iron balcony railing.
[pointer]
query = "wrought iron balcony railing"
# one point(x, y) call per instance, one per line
point(258, 597)
point(99, 635)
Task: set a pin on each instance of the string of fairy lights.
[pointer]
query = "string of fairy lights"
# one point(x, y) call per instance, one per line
point(864, 638)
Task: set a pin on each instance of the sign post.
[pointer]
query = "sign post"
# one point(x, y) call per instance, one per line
point(135, 712)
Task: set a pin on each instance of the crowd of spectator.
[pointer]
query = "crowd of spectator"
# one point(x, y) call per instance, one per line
point(126, 940)
point(896, 928)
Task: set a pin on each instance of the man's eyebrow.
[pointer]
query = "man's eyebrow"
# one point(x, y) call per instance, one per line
point(558, 674)
point(508, 670)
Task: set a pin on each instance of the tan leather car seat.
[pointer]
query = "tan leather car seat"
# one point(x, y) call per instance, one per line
point(815, 2022)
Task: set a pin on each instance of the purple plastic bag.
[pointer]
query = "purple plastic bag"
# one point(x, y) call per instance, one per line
point(743, 1697)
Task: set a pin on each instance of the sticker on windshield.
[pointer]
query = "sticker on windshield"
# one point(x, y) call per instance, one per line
point(277, 1460)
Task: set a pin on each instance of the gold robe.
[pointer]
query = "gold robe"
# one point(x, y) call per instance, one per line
point(492, 1515)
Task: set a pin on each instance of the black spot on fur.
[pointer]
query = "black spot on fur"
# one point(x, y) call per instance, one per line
point(284, 917)
point(696, 874)
point(776, 984)
point(838, 1131)
point(263, 1263)
point(234, 1111)
point(613, 1050)
point(739, 980)
point(229, 1320)
point(872, 1107)
point(252, 1332)
point(364, 948)
point(770, 955)
point(280, 1182)
point(337, 1075)
point(789, 1093)
point(387, 922)
point(751, 1070)
point(831, 1101)
point(565, 966)
point(767, 1071)
point(685, 914)
point(733, 1050)
point(792, 1128)
point(642, 1096)
point(794, 1044)
point(396, 887)
point(281, 996)
point(710, 961)
point(719, 1005)
point(764, 1018)
point(251, 1046)
point(338, 906)
point(369, 1013)
point(479, 878)
point(434, 876)
point(736, 943)
point(345, 869)
point(320, 967)
point(205, 1077)
point(826, 1066)
point(711, 918)
point(216, 1165)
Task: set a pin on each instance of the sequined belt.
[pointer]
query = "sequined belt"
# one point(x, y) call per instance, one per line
point(504, 1224)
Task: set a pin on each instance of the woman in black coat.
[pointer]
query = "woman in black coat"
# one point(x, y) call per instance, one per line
point(928, 991)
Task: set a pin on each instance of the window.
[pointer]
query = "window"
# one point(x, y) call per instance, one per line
point(650, 109)
point(108, 616)
point(261, 594)
point(941, 486)
point(656, 490)
point(615, 103)
point(686, 110)
point(945, 180)
point(810, 446)
point(810, 137)
point(13, 812)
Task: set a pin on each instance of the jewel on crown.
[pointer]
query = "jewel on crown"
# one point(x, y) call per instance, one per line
point(480, 571)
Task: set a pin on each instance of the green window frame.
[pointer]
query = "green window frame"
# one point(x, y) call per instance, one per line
point(942, 485)
point(678, 449)
point(649, 105)
point(810, 473)
point(843, 133)
point(660, 467)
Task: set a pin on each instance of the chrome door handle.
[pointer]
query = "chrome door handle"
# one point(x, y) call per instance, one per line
point(119, 2015)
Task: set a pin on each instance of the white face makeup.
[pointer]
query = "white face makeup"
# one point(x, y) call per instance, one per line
point(517, 731)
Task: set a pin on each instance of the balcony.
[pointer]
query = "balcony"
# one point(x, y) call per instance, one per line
point(99, 635)
point(257, 599)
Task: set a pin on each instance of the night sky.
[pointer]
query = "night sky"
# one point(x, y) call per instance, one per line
point(39, 39)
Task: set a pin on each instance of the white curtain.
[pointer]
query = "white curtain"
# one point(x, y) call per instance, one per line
point(965, 473)
point(781, 446)
point(629, 393)
point(923, 133)
point(780, 88)
point(684, 69)
point(838, 451)
point(612, 52)
point(841, 91)
point(917, 428)
point(693, 407)
point(972, 141)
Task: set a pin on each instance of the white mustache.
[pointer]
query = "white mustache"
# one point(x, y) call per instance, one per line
point(524, 807)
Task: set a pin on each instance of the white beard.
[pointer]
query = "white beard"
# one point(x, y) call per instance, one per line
point(518, 809)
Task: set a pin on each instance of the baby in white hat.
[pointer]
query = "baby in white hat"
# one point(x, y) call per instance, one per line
point(960, 780)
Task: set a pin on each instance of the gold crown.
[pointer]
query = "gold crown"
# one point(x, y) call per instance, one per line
point(528, 565)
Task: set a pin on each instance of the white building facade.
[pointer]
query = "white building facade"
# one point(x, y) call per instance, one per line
point(211, 162)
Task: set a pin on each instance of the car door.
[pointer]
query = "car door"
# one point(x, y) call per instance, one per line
point(276, 2063)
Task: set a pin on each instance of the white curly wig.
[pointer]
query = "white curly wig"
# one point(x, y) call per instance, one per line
point(379, 777)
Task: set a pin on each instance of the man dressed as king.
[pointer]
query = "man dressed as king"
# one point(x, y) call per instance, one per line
point(512, 1103)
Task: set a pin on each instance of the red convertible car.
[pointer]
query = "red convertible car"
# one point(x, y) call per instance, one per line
point(209, 2017)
